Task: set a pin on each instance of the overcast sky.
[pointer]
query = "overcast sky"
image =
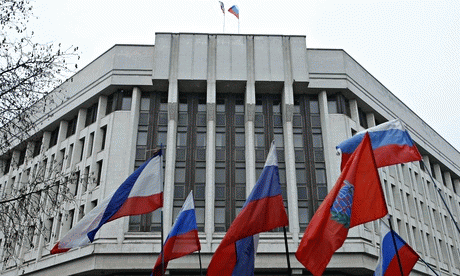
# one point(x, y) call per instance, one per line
point(411, 47)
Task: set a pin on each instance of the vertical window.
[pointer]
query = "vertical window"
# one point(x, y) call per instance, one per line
point(230, 174)
point(309, 156)
point(37, 147)
point(69, 158)
point(91, 114)
point(82, 145)
point(269, 127)
point(54, 137)
point(76, 181)
point(104, 136)
point(22, 156)
point(90, 144)
point(191, 152)
point(152, 129)
point(99, 172)
point(71, 127)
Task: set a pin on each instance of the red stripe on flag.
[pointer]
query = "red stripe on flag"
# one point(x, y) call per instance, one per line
point(176, 247)
point(408, 259)
point(139, 205)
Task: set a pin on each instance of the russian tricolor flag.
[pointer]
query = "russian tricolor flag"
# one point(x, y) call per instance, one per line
point(388, 262)
point(263, 211)
point(183, 238)
point(391, 144)
point(235, 11)
point(140, 193)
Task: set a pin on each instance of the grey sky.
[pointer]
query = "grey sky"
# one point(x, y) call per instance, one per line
point(411, 47)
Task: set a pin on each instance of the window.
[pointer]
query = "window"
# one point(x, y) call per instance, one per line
point(230, 171)
point(268, 125)
point(190, 157)
point(54, 137)
point(99, 172)
point(104, 136)
point(309, 157)
point(69, 158)
point(90, 144)
point(362, 118)
point(71, 127)
point(91, 115)
point(82, 145)
point(152, 125)
point(22, 156)
point(37, 147)
point(338, 104)
point(76, 181)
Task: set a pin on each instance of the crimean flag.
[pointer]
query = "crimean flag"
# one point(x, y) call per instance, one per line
point(222, 7)
point(356, 198)
point(235, 11)
point(390, 141)
point(388, 263)
point(263, 211)
point(140, 193)
point(183, 238)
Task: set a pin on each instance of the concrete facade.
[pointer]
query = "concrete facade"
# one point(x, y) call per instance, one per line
point(222, 64)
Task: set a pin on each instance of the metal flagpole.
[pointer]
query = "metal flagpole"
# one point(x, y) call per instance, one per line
point(201, 268)
point(287, 252)
point(162, 247)
point(161, 213)
point(439, 192)
point(429, 266)
point(396, 248)
point(223, 29)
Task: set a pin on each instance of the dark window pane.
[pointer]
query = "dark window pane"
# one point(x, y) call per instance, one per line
point(239, 139)
point(332, 106)
point(181, 139)
point(126, 103)
point(183, 119)
point(260, 155)
point(220, 155)
point(201, 119)
point(140, 153)
point(297, 121)
point(315, 121)
point(163, 118)
point(320, 176)
point(143, 119)
point(299, 155)
point(220, 192)
point(200, 175)
point(240, 176)
point(179, 191)
point(201, 139)
point(239, 155)
point(317, 141)
point(302, 193)
point(240, 193)
point(142, 138)
point(277, 121)
point(314, 106)
point(145, 104)
point(319, 156)
point(301, 175)
point(200, 154)
point(180, 175)
point(259, 120)
point(220, 119)
point(322, 192)
point(199, 192)
point(219, 215)
point(220, 176)
point(239, 120)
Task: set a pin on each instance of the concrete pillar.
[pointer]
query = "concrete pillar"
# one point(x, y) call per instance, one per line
point(249, 118)
point(173, 98)
point(354, 112)
point(370, 117)
point(289, 155)
point(210, 141)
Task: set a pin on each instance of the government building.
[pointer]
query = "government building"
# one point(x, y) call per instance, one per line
point(215, 102)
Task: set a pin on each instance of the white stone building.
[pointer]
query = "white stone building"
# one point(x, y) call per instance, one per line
point(215, 102)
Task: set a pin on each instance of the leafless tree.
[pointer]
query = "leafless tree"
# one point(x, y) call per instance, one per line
point(29, 71)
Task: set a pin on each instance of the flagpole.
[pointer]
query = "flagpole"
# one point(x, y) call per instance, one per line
point(223, 29)
point(162, 245)
point(429, 266)
point(287, 252)
point(201, 269)
point(442, 198)
point(396, 248)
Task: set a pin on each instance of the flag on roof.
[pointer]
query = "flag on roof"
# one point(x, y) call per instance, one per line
point(140, 193)
point(183, 238)
point(263, 211)
point(235, 11)
point(356, 198)
point(222, 6)
point(388, 261)
point(390, 141)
